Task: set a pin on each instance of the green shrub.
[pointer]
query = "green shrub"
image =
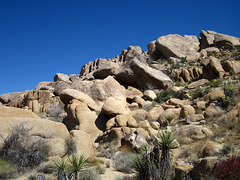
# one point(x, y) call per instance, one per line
point(169, 118)
point(179, 84)
point(229, 89)
point(16, 148)
point(199, 92)
point(165, 95)
point(216, 83)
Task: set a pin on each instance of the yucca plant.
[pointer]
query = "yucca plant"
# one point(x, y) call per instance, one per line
point(76, 165)
point(61, 166)
point(169, 118)
point(165, 143)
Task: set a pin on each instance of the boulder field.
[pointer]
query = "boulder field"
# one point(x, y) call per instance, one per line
point(183, 84)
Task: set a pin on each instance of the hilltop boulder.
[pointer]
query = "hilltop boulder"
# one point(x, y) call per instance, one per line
point(174, 45)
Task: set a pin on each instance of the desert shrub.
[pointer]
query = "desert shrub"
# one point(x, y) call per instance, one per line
point(165, 95)
point(199, 92)
point(46, 167)
point(216, 83)
point(123, 162)
point(107, 150)
point(55, 109)
point(229, 89)
point(228, 169)
point(179, 84)
point(18, 149)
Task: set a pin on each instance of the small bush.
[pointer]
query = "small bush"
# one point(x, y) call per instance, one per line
point(169, 118)
point(123, 162)
point(216, 83)
point(199, 92)
point(56, 109)
point(17, 148)
point(228, 169)
point(179, 84)
point(166, 95)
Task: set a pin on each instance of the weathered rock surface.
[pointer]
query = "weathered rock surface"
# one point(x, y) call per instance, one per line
point(6, 112)
point(212, 68)
point(190, 133)
point(174, 45)
point(61, 77)
point(68, 95)
point(113, 107)
point(108, 87)
point(83, 144)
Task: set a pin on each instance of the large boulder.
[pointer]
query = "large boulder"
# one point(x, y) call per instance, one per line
point(52, 133)
point(83, 144)
point(207, 38)
point(174, 45)
point(211, 38)
point(9, 97)
point(113, 107)
point(61, 77)
point(6, 112)
point(80, 117)
point(190, 133)
point(136, 72)
point(68, 95)
point(225, 41)
point(212, 68)
point(100, 90)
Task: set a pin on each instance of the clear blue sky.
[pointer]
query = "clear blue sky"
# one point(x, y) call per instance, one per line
point(39, 38)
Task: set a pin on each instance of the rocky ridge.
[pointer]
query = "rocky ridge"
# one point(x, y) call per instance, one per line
point(183, 84)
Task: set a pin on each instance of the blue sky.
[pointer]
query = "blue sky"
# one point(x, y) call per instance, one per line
point(39, 38)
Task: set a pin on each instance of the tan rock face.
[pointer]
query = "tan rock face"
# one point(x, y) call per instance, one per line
point(186, 111)
point(113, 107)
point(131, 92)
point(6, 112)
point(216, 93)
point(174, 45)
point(190, 133)
point(68, 95)
point(108, 87)
point(139, 114)
point(155, 112)
point(175, 112)
point(83, 143)
point(80, 117)
point(150, 95)
point(213, 110)
point(201, 82)
point(176, 102)
point(212, 68)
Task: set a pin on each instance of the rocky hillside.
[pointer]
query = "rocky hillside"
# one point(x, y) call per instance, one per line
point(183, 85)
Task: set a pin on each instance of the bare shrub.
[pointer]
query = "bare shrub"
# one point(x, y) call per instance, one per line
point(18, 149)
point(55, 109)
point(123, 162)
